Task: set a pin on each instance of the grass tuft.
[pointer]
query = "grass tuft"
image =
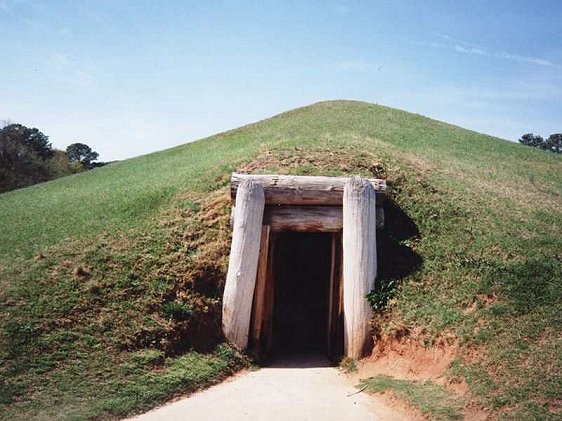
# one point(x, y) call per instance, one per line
point(432, 400)
point(349, 365)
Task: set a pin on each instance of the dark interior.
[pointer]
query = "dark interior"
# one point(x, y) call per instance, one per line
point(302, 278)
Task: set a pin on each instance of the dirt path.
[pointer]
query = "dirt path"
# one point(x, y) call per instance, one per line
point(290, 389)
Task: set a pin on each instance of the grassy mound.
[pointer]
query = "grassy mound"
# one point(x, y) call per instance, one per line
point(110, 280)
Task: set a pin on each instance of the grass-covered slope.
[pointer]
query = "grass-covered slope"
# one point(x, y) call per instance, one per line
point(111, 280)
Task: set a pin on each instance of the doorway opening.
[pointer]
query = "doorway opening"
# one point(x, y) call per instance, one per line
point(302, 269)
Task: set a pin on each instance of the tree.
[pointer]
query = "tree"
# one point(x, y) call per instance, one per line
point(31, 138)
point(554, 143)
point(530, 139)
point(24, 156)
point(27, 158)
point(82, 153)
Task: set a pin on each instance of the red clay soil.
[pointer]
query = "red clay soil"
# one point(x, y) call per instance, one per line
point(405, 357)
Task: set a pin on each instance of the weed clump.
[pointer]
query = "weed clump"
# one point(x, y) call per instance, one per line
point(431, 399)
point(177, 310)
point(349, 365)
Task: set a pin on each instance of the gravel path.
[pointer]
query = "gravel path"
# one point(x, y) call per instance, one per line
point(293, 389)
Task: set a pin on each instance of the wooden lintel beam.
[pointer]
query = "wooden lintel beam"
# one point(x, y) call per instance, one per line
point(307, 218)
point(304, 218)
point(301, 190)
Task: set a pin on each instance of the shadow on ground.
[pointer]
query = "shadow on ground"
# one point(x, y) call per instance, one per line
point(299, 360)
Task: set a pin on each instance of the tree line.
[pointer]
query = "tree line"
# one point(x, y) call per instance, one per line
point(27, 157)
point(552, 144)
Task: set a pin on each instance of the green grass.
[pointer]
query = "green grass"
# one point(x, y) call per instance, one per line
point(349, 365)
point(124, 265)
point(432, 400)
point(124, 195)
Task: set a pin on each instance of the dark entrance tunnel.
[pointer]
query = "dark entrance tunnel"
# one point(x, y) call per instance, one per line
point(301, 267)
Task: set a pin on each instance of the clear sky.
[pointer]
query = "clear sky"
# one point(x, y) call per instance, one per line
point(131, 77)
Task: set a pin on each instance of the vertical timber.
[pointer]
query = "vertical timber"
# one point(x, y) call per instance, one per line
point(260, 310)
point(269, 296)
point(360, 263)
point(335, 305)
point(243, 263)
point(331, 310)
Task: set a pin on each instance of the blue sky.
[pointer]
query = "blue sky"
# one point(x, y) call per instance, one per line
point(131, 77)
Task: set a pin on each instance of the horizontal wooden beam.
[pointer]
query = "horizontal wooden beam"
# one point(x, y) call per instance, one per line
point(301, 190)
point(304, 218)
point(309, 218)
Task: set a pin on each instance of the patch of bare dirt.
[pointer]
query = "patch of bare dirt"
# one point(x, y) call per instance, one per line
point(477, 413)
point(404, 356)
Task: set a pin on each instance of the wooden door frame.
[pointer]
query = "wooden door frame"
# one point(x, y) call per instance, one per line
point(334, 328)
point(319, 204)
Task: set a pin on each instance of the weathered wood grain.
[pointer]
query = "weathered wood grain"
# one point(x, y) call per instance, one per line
point(304, 218)
point(259, 311)
point(360, 263)
point(300, 190)
point(335, 303)
point(243, 263)
point(267, 329)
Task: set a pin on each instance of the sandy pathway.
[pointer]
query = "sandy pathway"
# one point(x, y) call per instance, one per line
point(290, 389)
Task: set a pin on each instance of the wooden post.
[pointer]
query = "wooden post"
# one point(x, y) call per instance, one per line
point(359, 263)
point(331, 294)
point(335, 315)
point(267, 330)
point(243, 263)
point(259, 308)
